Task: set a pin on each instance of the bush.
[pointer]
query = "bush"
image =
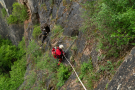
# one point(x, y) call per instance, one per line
point(46, 62)
point(4, 12)
point(62, 75)
point(17, 73)
point(85, 67)
point(56, 29)
point(19, 14)
point(31, 78)
point(8, 54)
point(33, 49)
point(36, 31)
point(88, 74)
point(12, 79)
point(115, 24)
point(12, 19)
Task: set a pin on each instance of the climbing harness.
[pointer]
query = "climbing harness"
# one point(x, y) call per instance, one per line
point(75, 73)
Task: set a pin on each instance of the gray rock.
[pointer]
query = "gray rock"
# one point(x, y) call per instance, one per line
point(80, 43)
point(94, 55)
point(102, 84)
point(3, 26)
point(13, 32)
point(60, 12)
point(85, 58)
point(74, 10)
point(54, 11)
point(68, 1)
point(9, 4)
point(57, 2)
point(73, 25)
point(16, 32)
point(33, 6)
point(71, 86)
point(124, 79)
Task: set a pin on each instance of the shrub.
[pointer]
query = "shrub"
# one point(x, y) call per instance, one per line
point(8, 54)
point(22, 49)
point(115, 24)
point(57, 29)
point(17, 73)
point(30, 79)
point(36, 31)
point(62, 75)
point(4, 12)
point(85, 67)
point(33, 49)
point(46, 62)
point(12, 19)
point(19, 14)
point(17, 68)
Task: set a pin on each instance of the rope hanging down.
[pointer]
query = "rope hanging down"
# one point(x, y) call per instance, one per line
point(76, 74)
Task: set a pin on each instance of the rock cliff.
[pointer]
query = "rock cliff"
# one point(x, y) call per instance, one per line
point(67, 13)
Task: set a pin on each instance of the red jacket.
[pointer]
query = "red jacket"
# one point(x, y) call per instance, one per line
point(57, 53)
point(54, 53)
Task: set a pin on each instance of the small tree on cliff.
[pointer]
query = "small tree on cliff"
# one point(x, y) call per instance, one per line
point(19, 14)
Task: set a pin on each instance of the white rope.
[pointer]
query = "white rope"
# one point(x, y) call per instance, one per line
point(76, 74)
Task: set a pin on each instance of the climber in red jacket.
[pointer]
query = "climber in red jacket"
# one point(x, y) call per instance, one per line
point(58, 53)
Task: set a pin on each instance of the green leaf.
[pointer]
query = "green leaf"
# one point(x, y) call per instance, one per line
point(133, 43)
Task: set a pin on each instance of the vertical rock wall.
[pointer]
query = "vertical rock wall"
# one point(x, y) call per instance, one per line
point(13, 32)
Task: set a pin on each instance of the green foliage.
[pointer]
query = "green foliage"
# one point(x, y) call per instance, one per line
point(108, 67)
point(114, 21)
point(57, 29)
point(118, 63)
point(4, 13)
point(88, 74)
point(4, 82)
point(19, 14)
point(62, 75)
point(119, 23)
point(86, 67)
point(30, 79)
point(86, 15)
point(74, 48)
point(17, 73)
point(18, 67)
point(36, 31)
point(22, 49)
point(8, 54)
point(46, 62)
point(33, 49)
point(106, 86)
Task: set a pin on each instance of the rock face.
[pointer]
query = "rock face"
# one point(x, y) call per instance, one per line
point(124, 79)
point(9, 4)
point(3, 26)
point(13, 32)
point(68, 16)
point(16, 32)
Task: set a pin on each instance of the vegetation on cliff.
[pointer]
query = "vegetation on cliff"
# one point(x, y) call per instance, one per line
point(115, 24)
point(12, 64)
point(19, 14)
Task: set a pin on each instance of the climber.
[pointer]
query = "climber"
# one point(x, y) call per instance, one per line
point(58, 53)
point(44, 35)
point(45, 30)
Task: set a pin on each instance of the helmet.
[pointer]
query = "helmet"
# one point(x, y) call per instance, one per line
point(61, 46)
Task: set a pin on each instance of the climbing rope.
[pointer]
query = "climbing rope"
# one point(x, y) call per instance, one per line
point(75, 73)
